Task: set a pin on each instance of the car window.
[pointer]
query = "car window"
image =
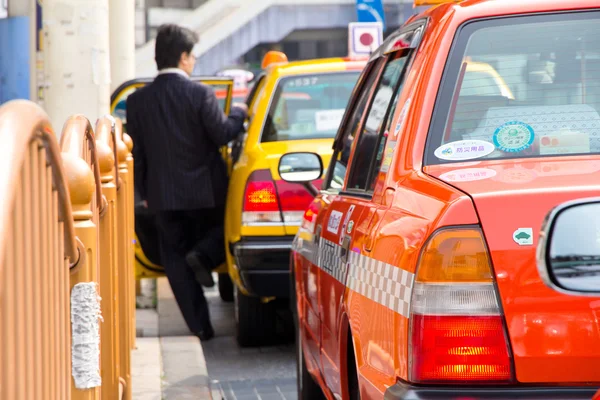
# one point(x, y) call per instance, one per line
point(341, 155)
point(371, 141)
point(520, 87)
point(479, 83)
point(308, 106)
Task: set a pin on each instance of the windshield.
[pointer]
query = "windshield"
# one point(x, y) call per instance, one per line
point(520, 87)
point(308, 106)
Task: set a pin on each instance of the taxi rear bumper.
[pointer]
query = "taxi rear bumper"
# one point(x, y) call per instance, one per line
point(404, 391)
point(264, 265)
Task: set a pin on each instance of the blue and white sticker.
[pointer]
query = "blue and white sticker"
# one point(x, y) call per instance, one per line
point(513, 137)
point(464, 150)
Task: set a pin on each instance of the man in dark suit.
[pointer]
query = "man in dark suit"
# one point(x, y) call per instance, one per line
point(177, 128)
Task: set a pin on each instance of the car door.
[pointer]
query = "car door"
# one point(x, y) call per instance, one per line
point(355, 210)
point(147, 258)
point(236, 147)
point(309, 284)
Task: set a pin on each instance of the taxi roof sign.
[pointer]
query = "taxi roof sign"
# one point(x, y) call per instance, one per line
point(273, 57)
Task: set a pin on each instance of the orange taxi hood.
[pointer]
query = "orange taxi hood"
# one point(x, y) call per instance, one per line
point(555, 338)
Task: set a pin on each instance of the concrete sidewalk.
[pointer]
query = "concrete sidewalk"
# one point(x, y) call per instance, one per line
point(168, 364)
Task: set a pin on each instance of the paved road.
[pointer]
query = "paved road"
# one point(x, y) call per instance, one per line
point(265, 373)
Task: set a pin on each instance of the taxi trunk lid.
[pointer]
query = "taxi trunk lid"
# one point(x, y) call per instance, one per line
point(555, 338)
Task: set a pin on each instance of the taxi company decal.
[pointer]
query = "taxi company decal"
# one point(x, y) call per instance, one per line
point(523, 236)
point(468, 175)
point(335, 218)
point(348, 215)
point(464, 150)
point(387, 156)
point(513, 137)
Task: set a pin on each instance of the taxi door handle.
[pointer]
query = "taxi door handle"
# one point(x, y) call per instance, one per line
point(345, 248)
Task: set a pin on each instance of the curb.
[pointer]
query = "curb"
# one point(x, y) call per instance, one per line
point(184, 372)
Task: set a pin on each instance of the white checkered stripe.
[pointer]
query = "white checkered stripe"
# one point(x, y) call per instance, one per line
point(330, 260)
point(383, 283)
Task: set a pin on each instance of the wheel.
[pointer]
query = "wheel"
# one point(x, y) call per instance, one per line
point(256, 322)
point(225, 287)
point(308, 389)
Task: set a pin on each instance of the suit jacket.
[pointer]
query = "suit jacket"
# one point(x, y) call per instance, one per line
point(177, 127)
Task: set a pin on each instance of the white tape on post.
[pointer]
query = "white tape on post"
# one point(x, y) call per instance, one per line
point(85, 328)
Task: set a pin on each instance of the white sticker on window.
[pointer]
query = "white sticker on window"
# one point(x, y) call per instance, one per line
point(464, 150)
point(402, 117)
point(379, 107)
point(329, 120)
point(335, 218)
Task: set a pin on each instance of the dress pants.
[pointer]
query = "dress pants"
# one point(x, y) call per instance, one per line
point(179, 232)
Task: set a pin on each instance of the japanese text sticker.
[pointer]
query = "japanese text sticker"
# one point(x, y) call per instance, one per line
point(464, 150)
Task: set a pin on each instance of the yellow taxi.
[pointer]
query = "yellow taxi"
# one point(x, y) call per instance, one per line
point(293, 107)
point(147, 257)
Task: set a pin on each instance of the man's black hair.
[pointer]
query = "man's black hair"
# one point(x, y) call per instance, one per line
point(171, 41)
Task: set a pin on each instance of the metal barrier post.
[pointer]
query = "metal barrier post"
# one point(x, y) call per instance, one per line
point(131, 228)
point(125, 270)
point(37, 247)
point(83, 173)
point(109, 260)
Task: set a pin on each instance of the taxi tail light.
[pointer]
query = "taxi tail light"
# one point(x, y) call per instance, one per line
point(458, 333)
point(294, 200)
point(261, 203)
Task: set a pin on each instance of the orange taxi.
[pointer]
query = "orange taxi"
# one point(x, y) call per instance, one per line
point(414, 268)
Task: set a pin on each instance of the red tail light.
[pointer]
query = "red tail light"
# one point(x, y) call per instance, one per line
point(261, 203)
point(460, 348)
point(457, 326)
point(295, 199)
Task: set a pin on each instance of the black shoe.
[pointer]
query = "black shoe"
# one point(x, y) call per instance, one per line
point(203, 274)
point(206, 334)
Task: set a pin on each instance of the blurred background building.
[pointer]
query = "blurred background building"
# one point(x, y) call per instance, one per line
point(69, 55)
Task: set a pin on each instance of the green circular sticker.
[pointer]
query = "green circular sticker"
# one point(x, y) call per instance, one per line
point(513, 137)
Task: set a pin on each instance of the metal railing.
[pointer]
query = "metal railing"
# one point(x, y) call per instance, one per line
point(67, 300)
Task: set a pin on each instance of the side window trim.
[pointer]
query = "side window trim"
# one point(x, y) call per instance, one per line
point(418, 28)
point(255, 89)
point(366, 190)
point(373, 67)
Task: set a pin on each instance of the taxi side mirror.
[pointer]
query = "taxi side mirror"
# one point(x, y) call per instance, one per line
point(301, 168)
point(569, 248)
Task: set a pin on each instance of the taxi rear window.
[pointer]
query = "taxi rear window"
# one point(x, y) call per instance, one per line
point(520, 87)
point(308, 106)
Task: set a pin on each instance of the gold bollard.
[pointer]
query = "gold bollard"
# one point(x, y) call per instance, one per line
point(83, 175)
point(109, 261)
point(131, 256)
point(125, 271)
point(37, 247)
